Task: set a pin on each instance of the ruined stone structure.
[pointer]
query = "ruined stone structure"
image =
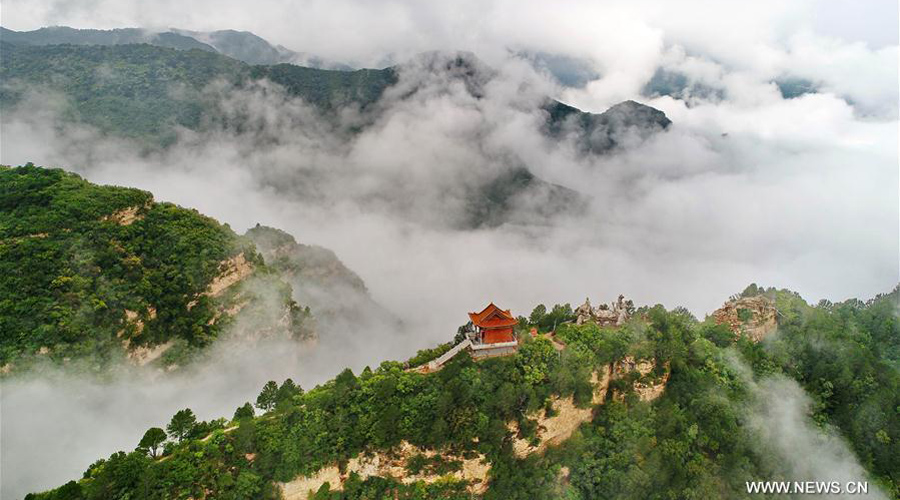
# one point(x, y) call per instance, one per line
point(614, 314)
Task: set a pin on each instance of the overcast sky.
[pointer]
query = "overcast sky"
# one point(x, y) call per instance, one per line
point(365, 31)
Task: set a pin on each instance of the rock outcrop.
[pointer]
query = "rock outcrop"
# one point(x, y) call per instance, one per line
point(646, 386)
point(335, 294)
point(755, 317)
point(393, 463)
point(565, 420)
point(566, 417)
point(126, 216)
point(614, 314)
point(231, 271)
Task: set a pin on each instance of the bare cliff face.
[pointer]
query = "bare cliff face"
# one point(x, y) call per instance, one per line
point(755, 317)
point(394, 463)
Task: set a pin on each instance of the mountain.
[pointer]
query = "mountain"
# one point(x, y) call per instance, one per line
point(241, 45)
point(336, 293)
point(144, 75)
point(329, 90)
point(567, 71)
point(103, 273)
point(56, 35)
point(680, 86)
point(148, 94)
point(601, 133)
point(252, 49)
point(659, 405)
point(519, 197)
point(134, 99)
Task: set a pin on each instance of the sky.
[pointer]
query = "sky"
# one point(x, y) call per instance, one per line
point(745, 186)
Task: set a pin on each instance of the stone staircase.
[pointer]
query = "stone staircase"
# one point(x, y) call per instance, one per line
point(447, 356)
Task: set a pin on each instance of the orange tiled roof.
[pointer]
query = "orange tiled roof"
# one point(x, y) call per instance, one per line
point(492, 317)
point(498, 322)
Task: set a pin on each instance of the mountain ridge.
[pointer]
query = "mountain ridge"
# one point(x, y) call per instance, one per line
point(241, 45)
point(155, 93)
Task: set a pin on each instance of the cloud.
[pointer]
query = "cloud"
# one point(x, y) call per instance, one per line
point(56, 422)
point(624, 40)
point(780, 421)
point(750, 188)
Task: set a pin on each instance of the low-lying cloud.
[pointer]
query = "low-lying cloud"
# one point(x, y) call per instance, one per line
point(780, 420)
point(791, 192)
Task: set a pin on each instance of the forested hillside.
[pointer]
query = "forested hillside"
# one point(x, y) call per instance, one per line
point(125, 90)
point(336, 293)
point(95, 273)
point(668, 407)
point(143, 91)
point(58, 35)
point(241, 45)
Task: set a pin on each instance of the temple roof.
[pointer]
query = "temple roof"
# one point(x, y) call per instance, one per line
point(493, 317)
point(498, 322)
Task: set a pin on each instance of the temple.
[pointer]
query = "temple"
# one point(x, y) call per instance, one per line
point(491, 332)
point(493, 325)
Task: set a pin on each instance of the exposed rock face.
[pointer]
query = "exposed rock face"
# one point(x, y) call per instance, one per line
point(142, 355)
point(388, 464)
point(231, 271)
point(566, 418)
point(300, 488)
point(646, 387)
point(133, 317)
point(755, 317)
point(614, 314)
point(126, 216)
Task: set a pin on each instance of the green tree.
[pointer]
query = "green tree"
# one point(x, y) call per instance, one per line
point(536, 360)
point(537, 315)
point(286, 393)
point(268, 397)
point(243, 412)
point(152, 439)
point(182, 424)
